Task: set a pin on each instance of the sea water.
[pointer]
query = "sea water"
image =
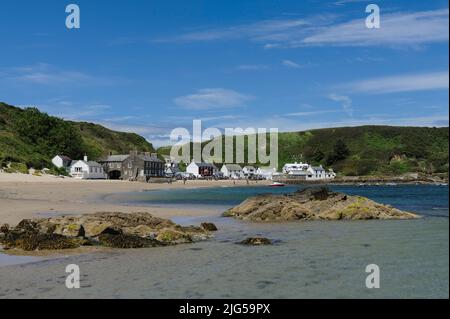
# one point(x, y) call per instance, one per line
point(313, 259)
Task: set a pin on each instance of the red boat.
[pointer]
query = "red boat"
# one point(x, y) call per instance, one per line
point(276, 184)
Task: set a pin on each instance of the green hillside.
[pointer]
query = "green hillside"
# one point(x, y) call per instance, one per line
point(31, 137)
point(366, 150)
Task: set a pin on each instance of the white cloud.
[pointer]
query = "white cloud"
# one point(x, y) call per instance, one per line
point(212, 98)
point(46, 74)
point(402, 83)
point(311, 113)
point(345, 101)
point(291, 64)
point(397, 29)
point(343, 2)
point(251, 30)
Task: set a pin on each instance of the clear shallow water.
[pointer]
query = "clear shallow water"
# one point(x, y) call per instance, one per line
point(315, 259)
point(429, 200)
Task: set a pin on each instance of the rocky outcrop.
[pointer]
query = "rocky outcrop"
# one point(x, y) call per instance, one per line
point(316, 203)
point(118, 230)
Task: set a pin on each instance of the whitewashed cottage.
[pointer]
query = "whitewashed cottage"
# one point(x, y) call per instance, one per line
point(84, 169)
point(233, 171)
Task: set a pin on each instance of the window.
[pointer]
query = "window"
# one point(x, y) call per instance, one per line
point(78, 169)
point(130, 164)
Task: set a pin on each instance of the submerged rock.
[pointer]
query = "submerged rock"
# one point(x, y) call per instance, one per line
point(256, 241)
point(127, 241)
point(208, 226)
point(118, 230)
point(315, 203)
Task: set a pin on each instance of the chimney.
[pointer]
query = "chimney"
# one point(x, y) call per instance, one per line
point(134, 152)
point(147, 153)
point(154, 155)
point(110, 153)
point(85, 158)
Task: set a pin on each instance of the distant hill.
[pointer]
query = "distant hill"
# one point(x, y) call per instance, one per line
point(32, 137)
point(367, 150)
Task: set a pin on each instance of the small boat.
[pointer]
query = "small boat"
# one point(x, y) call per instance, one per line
point(276, 184)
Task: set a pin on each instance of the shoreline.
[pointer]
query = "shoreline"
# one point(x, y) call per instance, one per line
point(27, 196)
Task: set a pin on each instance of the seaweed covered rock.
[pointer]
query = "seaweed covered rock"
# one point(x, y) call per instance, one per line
point(118, 230)
point(315, 203)
point(28, 236)
point(208, 226)
point(256, 241)
point(127, 241)
point(173, 236)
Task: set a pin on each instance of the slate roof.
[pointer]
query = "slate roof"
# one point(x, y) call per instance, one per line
point(116, 158)
point(64, 157)
point(147, 158)
point(233, 167)
point(204, 164)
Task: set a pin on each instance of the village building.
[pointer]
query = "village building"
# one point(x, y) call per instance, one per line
point(233, 171)
point(202, 169)
point(295, 168)
point(133, 166)
point(307, 172)
point(84, 169)
point(62, 161)
point(266, 172)
point(249, 171)
point(171, 166)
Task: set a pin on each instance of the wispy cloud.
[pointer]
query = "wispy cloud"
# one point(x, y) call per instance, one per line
point(345, 101)
point(401, 83)
point(49, 75)
point(255, 30)
point(397, 29)
point(212, 99)
point(344, 2)
point(311, 113)
point(291, 64)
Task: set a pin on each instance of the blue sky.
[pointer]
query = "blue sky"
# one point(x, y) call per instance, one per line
point(150, 66)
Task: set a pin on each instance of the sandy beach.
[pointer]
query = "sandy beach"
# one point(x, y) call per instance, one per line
point(27, 196)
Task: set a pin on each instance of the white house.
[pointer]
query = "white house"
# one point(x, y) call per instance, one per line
point(249, 171)
point(316, 172)
point(201, 169)
point(61, 161)
point(266, 172)
point(233, 171)
point(84, 169)
point(308, 172)
point(295, 169)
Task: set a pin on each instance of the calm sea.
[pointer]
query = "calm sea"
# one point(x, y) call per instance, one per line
point(315, 259)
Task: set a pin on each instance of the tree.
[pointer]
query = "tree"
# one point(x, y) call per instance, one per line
point(340, 152)
point(317, 156)
point(182, 166)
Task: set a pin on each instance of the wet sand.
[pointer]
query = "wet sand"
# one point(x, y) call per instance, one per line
point(27, 196)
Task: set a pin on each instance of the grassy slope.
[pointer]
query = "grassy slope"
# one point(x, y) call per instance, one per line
point(372, 150)
point(32, 137)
